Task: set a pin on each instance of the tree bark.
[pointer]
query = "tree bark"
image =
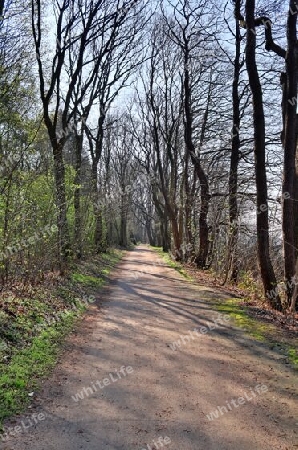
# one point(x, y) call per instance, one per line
point(267, 272)
point(2, 3)
point(77, 195)
point(95, 152)
point(188, 206)
point(165, 233)
point(123, 219)
point(288, 186)
point(201, 258)
point(62, 223)
point(232, 269)
point(97, 210)
point(149, 232)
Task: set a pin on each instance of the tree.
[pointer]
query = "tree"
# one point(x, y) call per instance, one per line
point(162, 117)
point(289, 81)
point(77, 28)
point(232, 269)
point(267, 272)
point(187, 30)
point(120, 52)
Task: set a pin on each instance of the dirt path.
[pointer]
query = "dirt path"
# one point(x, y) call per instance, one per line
point(161, 394)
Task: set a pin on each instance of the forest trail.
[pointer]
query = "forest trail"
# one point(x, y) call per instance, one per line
point(162, 397)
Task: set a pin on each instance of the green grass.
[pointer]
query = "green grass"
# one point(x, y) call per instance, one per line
point(264, 332)
point(241, 318)
point(293, 355)
point(27, 365)
point(87, 280)
point(33, 328)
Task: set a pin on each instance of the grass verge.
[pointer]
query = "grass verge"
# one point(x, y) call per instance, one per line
point(34, 321)
point(259, 330)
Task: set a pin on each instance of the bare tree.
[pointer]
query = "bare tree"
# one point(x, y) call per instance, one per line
point(77, 28)
point(118, 62)
point(232, 269)
point(188, 29)
point(164, 117)
point(267, 272)
point(289, 81)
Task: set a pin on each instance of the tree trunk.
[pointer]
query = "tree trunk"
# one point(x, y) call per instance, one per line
point(62, 223)
point(99, 238)
point(2, 2)
point(296, 197)
point(232, 269)
point(201, 258)
point(288, 187)
point(149, 231)
point(267, 272)
point(123, 221)
point(188, 206)
point(176, 238)
point(77, 196)
point(97, 210)
point(294, 300)
point(165, 233)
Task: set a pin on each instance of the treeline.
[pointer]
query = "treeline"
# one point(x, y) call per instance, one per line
point(64, 156)
point(172, 123)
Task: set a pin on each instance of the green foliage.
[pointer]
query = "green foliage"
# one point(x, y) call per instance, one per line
point(293, 355)
point(248, 283)
point(87, 280)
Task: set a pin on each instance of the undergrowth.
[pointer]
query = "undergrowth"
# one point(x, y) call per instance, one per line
point(34, 320)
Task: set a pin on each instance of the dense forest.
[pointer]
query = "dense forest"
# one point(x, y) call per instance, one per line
point(172, 123)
